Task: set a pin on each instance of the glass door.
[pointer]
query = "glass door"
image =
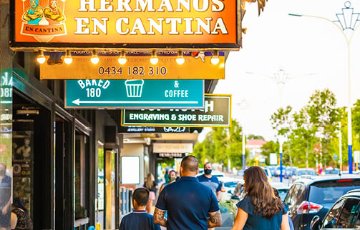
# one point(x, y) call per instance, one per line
point(110, 157)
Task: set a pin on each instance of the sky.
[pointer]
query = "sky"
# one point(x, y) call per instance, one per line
point(312, 52)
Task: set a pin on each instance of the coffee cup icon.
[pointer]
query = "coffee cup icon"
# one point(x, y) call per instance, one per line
point(134, 88)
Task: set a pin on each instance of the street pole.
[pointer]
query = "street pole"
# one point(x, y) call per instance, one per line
point(243, 149)
point(340, 147)
point(346, 23)
point(281, 160)
point(349, 108)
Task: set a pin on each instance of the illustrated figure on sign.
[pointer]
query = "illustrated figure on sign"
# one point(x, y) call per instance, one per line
point(25, 150)
point(34, 14)
point(53, 12)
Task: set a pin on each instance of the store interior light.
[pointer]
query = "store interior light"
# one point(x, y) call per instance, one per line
point(41, 57)
point(122, 58)
point(180, 58)
point(154, 59)
point(215, 58)
point(94, 58)
point(68, 59)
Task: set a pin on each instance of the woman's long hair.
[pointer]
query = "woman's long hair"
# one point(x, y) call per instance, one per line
point(261, 193)
point(149, 183)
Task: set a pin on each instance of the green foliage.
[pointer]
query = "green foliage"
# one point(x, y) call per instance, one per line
point(267, 148)
point(221, 144)
point(281, 121)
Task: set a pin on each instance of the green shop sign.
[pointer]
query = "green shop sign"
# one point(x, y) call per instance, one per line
point(6, 85)
point(216, 113)
point(139, 94)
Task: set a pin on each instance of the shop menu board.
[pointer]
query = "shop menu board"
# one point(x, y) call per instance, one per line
point(22, 167)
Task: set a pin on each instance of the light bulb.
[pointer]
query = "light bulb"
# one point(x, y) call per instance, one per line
point(41, 58)
point(180, 59)
point(154, 59)
point(68, 59)
point(122, 59)
point(215, 58)
point(94, 58)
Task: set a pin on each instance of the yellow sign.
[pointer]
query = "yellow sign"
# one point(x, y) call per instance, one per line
point(108, 23)
point(136, 67)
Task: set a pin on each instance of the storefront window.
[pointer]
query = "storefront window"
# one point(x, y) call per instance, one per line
point(5, 146)
point(81, 191)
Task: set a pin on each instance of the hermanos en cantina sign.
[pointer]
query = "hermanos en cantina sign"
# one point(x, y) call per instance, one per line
point(149, 23)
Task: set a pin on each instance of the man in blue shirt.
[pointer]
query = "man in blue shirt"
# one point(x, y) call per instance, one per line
point(189, 204)
point(139, 219)
point(209, 180)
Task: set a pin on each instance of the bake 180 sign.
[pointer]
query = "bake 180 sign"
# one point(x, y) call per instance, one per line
point(185, 23)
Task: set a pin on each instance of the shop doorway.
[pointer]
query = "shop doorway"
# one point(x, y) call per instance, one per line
point(32, 160)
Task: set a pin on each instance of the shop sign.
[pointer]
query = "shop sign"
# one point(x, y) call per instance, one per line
point(134, 94)
point(140, 129)
point(138, 23)
point(172, 147)
point(171, 155)
point(197, 66)
point(6, 85)
point(216, 113)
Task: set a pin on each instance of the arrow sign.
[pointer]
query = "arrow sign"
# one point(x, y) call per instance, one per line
point(134, 94)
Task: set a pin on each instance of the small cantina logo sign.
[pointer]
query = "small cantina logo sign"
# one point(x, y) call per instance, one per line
point(43, 21)
point(127, 22)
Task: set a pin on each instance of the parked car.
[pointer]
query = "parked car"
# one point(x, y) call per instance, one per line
point(290, 171)
point(277, 171)
point(344, 214)
point(332, 171)
point(267, 173)
point(314, 196)
point(272, 169)
point(228, 186)
point(303, 172)
point(282, 189)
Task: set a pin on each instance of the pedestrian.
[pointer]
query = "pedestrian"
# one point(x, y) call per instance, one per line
point(260, 209)
point(211, 181)
point(172, 179)
point(139, 219)
point(5, 198)
point(189, 204)
point(291, 225)
point(20, 218)
point(150, 184)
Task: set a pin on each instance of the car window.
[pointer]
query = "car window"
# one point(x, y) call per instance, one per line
point(333, 215)
point(291, 196)
point(326, 193)
point(300, 193)
point(349, 213)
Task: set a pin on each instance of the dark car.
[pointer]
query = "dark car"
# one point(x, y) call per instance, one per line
point(315, 195)
point(344, 214)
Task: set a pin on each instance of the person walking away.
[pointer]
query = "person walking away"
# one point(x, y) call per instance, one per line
point(139, 219)
point(189, 204)
point(5, 198)
point(211, 181)
point(260, 209)
point(150, 184)
point(20, 218)
point(172, 179)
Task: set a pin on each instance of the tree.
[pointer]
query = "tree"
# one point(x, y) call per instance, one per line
point(281, 122)
point(324, 116)
point(221, 145)
point(267, 148)
point(302, 139)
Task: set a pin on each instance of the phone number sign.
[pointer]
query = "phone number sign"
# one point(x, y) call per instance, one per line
point(196, 66)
